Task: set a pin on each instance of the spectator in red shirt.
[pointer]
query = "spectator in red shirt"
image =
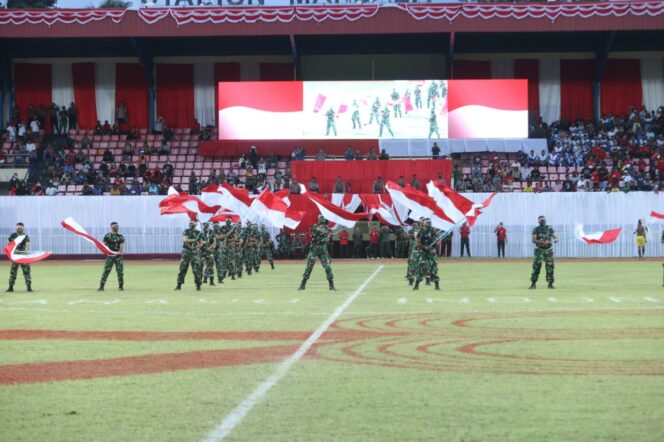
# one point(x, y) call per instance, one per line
point(343, 243)
point(374, 235)
point(465, 240)
point(501, 236)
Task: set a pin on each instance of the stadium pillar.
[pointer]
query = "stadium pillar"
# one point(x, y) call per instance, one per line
point(147, 61)
point(600, 63)
point(296, 58)
point(450, 56)
point(6, 95)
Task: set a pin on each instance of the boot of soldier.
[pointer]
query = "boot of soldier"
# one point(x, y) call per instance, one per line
point(272, 265)
point(256, 269)
point(303, 284)
point(121, 286)
point(239, 275)
point(437, 285)
point(532, 285)
point(248, 271)
point(198, 287)
point(101, 288)
point(410, 281)
point(417, 285)
point(551, 285)
point(331, 284)
point(211, 280)
point(427, 281)
point(232, 277)
point(10, 289)
point(178, 287)
point(29, 287)
point(220, 280)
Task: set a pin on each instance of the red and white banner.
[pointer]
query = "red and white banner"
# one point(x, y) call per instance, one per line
point(234, 199)
point(191, 205)
point(336, 214)
point(606, 237)
point(658, 215)
point(420, 204)
point(74, 227)
point(273, 209)
point(23, 258)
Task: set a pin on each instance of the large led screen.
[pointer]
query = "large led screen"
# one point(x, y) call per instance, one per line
point(404, 109)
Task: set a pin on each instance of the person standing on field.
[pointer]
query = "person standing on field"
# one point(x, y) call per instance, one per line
point(320, 235)
point(501, 237)
point(22, 248)
point(543, 237)
point(464, 231)
point(641, 238)
point(115, 243)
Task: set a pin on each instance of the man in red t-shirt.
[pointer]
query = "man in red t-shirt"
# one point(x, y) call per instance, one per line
point(343, 243)
point(464, 231)
point(501, 236)
point(374, 235)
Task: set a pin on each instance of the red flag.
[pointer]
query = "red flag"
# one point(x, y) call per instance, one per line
point(420, 204)
point(342, 108)
point(274, 209)
point(71, 225)
point(657, 215)
point(320, 102)
point(606, 237)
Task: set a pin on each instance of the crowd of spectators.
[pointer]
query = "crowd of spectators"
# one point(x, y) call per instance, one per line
point(620, 153)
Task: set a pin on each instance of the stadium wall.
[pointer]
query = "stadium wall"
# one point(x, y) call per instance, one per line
point(148, 233)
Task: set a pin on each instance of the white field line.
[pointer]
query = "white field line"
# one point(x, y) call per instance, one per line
point(236, 416)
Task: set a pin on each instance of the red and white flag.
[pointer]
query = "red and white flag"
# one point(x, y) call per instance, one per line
point(191, 205)
point(273, 209)
point(335, 214)
point(347, 201)
point(377, 205)
point(23, 258)
point(222, 215)
point(420, 204)
point(231, 198)
point(606, 237)
point(74, 227)
point(654, 214)
point(456, 206)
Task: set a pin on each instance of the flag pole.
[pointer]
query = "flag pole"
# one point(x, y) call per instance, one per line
point(446, 233)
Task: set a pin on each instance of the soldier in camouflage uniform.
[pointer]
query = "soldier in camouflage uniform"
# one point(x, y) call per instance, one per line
point(396, 106)
point(216, 230)
point(223, 247)
point(426, 263)
point(412, 252)
point(207, 253)
point(320, 236)
point(249, 247)
point(115, 242)
point(330, 114)
point(232, 264)
point(385, 122)
point(543, 237)
point(192, 242)
point(284, 247)
point(400, 243)
point(375, 111)
point(356, 115)
point(418, 96)
point(267, 246)
point(22, 248)
point(433, 124)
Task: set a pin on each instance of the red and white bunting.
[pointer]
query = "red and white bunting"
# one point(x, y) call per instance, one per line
point(74, 227)
point(605, 237)
point(23, 258)
point(52, 16)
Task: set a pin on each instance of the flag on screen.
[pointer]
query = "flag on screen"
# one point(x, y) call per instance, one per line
point(18, 257)
point(605, 237)
point(342, 108)
point(74, 227)
point(320, 102)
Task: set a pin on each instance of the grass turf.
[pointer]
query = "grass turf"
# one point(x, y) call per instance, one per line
point(582, 362)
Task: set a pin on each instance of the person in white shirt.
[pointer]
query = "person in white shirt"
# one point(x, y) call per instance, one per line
point(51, 190)
point(11, 131)
point(34, 126)
point(21, 130)
point(30, 147)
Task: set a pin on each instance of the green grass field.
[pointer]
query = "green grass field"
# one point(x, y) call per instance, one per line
point(483, 359)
